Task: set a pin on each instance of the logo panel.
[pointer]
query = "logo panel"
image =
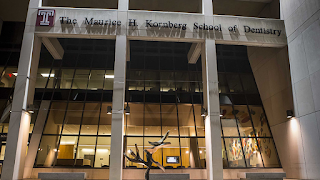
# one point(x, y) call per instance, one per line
point(45, 17)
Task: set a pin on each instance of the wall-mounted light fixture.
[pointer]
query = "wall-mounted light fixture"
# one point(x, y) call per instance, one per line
point(289, 114)
point(203, 112)
point(30, 109)
point(109, 110)
point(127, 110)
point(221, 112)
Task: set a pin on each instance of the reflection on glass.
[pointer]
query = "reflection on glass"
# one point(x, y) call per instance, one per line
point(47, 151)
point(202, 151)
point(108, 82)
point(186, 120)
point(223, 85)
point(103, 152)
point(252, 153)
point(130, 142)
point(234, 152)
point(249, 86)
point(105, 120)
point(269, 153)
point(96, 79)
point(42, 77)
point(224, 155)
point(65, 78)
point(259, 121)
point(173, 150)
point(189, 152)
point(135, 120)
point(66, 151)
point(244, 121)
point(152, 126)
point(80, 79)
point(85, 153)
point(199, 120)
point(169, 120)
point(55, 118)
point(229, 124)
point(73, 118)
point(90, 119)
point(234, 83)
point(157, 156)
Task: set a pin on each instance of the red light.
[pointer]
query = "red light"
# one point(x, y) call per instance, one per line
point(10, 75)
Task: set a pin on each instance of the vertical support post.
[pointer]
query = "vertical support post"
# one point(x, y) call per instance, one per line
point(211, 104)
point(36, 137)
point(117, 123)
point(19, 123)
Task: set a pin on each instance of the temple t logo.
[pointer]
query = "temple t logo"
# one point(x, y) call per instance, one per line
point(45, 17)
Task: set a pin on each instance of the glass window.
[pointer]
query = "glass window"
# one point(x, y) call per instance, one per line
point(73, 118)
point(169, 120)
point(249, 85)
point(269, 153)
point(96, 79)
point(67, 150)
point(228, 121)
point(80, 79)
point(102, 158)
point(186, 120)
point(172, 150)
point(234, 83)
point(244, 121)
point(252, 153)
point(199, 120)
point(259, 121)
point(105, 120)
point(131, 141)
point(223, 85)
point(55, 118)
point(86, 151)
point(47, 151)
point(65, 78)
point(90, 119)
point(234, 152)
point(135, 120)
point(108, 83)
point(152, 126)
point(202, 151)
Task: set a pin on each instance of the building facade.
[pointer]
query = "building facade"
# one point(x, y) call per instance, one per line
point(235, 82)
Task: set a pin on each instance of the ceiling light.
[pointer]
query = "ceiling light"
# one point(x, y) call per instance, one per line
point(88, 150)
point(110, 76)
point(15, 74)
point(47, 75)
point(187, 152)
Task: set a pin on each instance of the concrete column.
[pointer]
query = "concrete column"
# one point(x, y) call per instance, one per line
point(20, 119)
point(207, 7)
point(211, 104)
point(117, 123)
point(117, 130)
point(35, 139)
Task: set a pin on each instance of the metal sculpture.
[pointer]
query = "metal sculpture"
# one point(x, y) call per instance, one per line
point(156, 145)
